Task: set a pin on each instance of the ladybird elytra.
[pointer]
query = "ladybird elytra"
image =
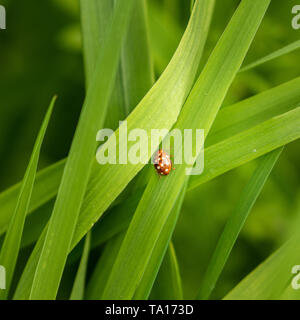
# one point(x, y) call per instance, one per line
point(162, 163)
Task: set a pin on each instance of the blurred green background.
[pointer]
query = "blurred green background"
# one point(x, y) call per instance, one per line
point(40, 55)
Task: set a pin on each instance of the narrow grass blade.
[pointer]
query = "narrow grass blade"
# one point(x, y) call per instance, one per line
point(96, 19)
point(45, 189)
point(276, 54)
point(165, 33)
point(274, 278)
point(248, 113)
point(236, 222)
point(102, 270)
point(135, 73)
point(77, 170)
point(79, 283)
point(114, 222)
point(10, 248)
point(271, 278)
point(25, 283)
point(199, 111)
point(192, 4)
point(94, 30)
point(248, 145)
point(168, 282)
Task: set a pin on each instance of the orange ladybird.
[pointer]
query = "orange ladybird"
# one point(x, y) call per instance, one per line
point(162, 163)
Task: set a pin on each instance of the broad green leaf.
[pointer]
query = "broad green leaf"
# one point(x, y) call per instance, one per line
point(11, 246)
point(79, 163)
point(236, 222)
point(168, 282)
point(248, 145)
point(199, 111)
point(79, 283)
point(231, 120)
point(278, 53)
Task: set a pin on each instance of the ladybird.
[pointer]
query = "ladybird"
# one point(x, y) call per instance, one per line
point(162, 163)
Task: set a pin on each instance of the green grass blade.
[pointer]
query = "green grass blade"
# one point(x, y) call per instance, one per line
point(236, 222)
point(276, 54)
point(96, 18)
point(154, 263)
point(136, 61)
point(10, 248)
point(249, 145)
point(114, 222)
point(45, 189)
point(25, 283)
point(135, 73)
point(271, 278)
point(168, 282)
point(102, 270)
point(77, 170)
point(106, 261)
point(165, 33)
point(192, 4)
point(247, 113)
point(199, 111)
point(230, 120)
point(79, 283)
